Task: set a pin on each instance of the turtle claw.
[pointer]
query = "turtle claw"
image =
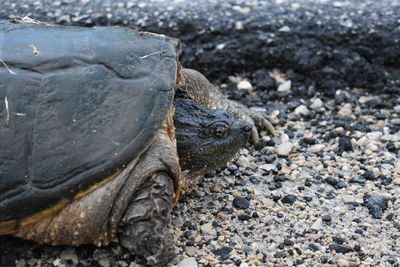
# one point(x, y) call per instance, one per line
point(254, 135)
point(259, 122)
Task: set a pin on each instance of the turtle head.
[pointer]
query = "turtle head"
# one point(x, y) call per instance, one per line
point(206, 139)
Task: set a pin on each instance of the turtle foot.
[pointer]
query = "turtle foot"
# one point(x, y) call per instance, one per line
point(150, 242)
point(145, 232)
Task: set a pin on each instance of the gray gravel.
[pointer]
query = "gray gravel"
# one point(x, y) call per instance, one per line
point(329, 197)
point(314, 206)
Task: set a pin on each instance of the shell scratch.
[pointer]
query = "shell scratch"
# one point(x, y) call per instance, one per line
point(5, 65)
point(36, 51)
point(155, 53)
point(7, 112)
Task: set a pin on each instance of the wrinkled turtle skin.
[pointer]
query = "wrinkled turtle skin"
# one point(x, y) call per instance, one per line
point(89, 134)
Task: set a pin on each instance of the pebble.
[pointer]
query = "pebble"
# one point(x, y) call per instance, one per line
point(188, 262)
point(397, 167)
point(301, 110)
point(69, 254)
point(289, 199)
point(190, 251)
point(241, 203)
point(316, 148)
point(264, 80)
point(346, 110)
point(376, 205)
point(374, 136)
point(223, 252)
point(208, 229)
point(243, 162)
point(285, 87)
point(348, 199)
point(22, 263)
point(339, 248)
point(316, 104)
point(284, 149)
point(317, 225)
point(284, 29)
point(267, 167)
point(270, 158)
point(345, 144)
point(395, 121)
point(245, 85)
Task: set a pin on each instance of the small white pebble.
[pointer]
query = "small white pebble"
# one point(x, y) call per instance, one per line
point(285, 87)
point(188, 262)
point(301, 110)
point(317, 225)
point(285, 29)
point(316, 148)
point(284, 149)
point(316, 104)
point(245, 85)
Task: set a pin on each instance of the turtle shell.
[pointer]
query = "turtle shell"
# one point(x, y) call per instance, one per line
point(76, 105)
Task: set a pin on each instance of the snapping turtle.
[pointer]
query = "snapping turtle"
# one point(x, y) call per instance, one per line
point(88, 143)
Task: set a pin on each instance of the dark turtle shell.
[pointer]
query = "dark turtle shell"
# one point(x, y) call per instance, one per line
point(76, 105)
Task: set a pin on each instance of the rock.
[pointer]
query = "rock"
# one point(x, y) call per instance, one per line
point(327, 218)
point(369, 175)
point(345, 110)
point(69, 254)
point(222, 252)
point(374, 136)
point(243, 162)
point(348, 199)
point(285, 87)
point(22, 263)
point(245, 85)
point(217, 187)
point(316, 148)
point(188, 262)
point(208, 229)
point(267, 167)
point(372, 147)
point(285, 29)
point(264, 81)
point(270, 158)
point(397, 166)
point(289, 199)
point(284, 149)
point(339, 248)
point(376, 205)
point(316, 104)
point(343, 262)
point(104, 263)
point(239, 25)
point(190, 251)
point(332, 181)
point(317, 225)
point(345, 144)
point(395, 121)
point(301, 110)
point(241, 203)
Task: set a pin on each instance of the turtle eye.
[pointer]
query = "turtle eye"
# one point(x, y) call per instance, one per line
point(220, 130)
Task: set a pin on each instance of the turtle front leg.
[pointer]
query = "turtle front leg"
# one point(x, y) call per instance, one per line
point(145, 231)
point(202, 91)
